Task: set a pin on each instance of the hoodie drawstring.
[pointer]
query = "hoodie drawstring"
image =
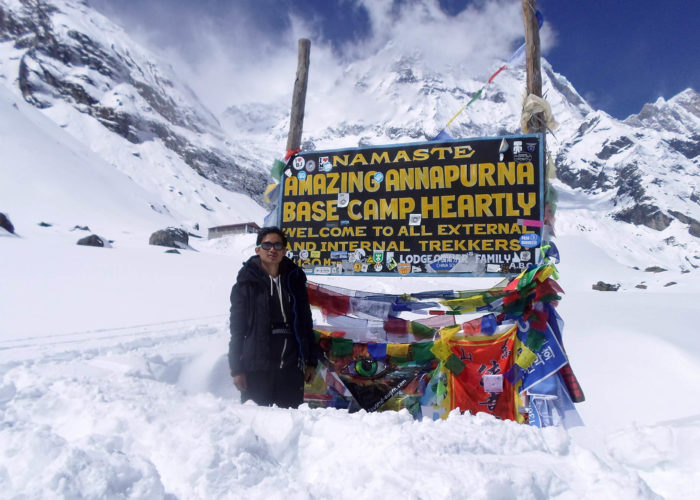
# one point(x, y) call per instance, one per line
point(278, 284)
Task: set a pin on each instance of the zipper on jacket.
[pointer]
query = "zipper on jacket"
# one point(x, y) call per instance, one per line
point(284, 348)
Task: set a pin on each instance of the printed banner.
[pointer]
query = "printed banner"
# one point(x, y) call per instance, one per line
point(549, 359)
point(466, 206)
point(481, 386)
point(378, 376)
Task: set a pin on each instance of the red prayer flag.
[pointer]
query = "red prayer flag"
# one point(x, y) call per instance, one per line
point(490, 356)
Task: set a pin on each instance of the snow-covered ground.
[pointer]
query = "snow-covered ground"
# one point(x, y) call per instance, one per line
point(114, 383)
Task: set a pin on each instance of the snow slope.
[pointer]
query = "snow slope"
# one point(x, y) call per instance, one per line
point(121, 388)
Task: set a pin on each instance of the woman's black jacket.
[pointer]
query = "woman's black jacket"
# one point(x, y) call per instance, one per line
point(249, 347)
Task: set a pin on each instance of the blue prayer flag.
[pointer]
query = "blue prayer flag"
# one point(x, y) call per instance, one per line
point(550, 358)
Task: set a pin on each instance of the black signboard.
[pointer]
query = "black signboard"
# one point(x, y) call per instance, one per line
point(467, 206)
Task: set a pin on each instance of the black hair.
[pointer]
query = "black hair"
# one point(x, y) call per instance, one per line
point(270, 230)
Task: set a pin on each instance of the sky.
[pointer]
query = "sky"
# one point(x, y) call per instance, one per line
point(618, 55)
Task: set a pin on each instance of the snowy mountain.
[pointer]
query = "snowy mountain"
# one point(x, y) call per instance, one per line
point(639, 176)
point(91, 79)
point(642, 171)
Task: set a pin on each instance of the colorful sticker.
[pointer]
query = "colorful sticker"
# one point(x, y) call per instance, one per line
point(493, 383)
point(529, 240)
point(299, 162)
point(443, 265)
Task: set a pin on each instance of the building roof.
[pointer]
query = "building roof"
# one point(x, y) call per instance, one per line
point(241, 224)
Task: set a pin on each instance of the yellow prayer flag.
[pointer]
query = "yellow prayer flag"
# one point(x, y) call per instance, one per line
point(519, 402)
point(440, 349)
point(397, 350)
point(468, 304)
point(447, 332)
point(525, 358)
point(545, 273)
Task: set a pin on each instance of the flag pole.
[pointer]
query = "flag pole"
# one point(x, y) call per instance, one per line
point(532, 57)
point(296, 119)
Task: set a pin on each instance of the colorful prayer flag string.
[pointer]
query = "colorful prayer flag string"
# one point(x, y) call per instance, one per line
point(514, 60)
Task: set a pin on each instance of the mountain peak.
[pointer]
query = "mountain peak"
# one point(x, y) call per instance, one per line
point(680, 114)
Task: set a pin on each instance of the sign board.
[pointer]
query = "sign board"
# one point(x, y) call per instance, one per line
point(466, 206)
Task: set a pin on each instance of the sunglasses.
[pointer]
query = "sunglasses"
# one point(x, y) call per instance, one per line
point(266, 245)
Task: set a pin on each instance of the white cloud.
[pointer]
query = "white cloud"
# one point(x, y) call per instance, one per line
point(235, 60)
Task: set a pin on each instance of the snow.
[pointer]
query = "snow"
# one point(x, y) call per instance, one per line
point(114, 380)
point(114, 383)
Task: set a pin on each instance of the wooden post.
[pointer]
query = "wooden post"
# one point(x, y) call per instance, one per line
point(532, 54)
point(296, 120)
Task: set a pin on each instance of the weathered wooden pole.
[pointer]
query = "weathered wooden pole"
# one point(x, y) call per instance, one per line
point(532, 54)
point(296, 120)
point(537, 124)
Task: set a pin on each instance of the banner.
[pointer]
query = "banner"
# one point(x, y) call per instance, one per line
point(480, 386)
point(466, 206)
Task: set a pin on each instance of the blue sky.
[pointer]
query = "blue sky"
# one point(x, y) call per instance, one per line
point(618, 54)
point(621, 54)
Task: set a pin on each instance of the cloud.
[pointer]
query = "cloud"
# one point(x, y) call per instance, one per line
point(246, 51)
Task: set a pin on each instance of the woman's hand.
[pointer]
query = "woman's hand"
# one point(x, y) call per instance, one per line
point(240, 382)
point(309, 374)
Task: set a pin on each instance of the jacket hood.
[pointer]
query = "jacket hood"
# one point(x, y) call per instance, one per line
point(252, 269)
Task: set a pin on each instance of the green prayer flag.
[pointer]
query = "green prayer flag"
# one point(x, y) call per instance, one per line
point(341, 347)
point(535, 340)
point(550, 297)
point(527, 278)
point(454, 364)
point(276, 170)
point(515, 308)
point(440, 390)
point(421, 352)
point(421, 330)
